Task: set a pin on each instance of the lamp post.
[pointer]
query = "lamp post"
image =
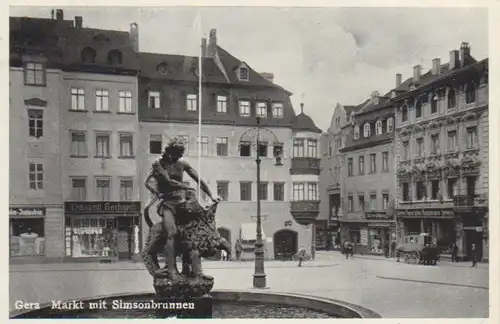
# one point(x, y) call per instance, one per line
point(257, 136)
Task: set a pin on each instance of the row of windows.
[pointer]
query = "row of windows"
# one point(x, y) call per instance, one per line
point(422, 190)
point(246, 191)
point(363, 205)
point(338, 146)
point(102, 147)
point(101, 100)
point(373, 164)
point(434, 149)
point(379, 127)
point(102, 189)
point(305, 147)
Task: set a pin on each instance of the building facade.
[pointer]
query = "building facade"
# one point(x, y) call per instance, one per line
point(441, 147)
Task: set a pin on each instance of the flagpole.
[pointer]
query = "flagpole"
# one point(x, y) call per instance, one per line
point(200, 66)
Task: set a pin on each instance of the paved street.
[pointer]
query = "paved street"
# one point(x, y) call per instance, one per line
point(389, 288)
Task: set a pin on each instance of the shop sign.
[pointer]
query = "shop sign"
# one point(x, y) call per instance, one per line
point(379, 224)
point(102, 207)
point(363, 239)
point(424, 213)
point(377, 215)
point(27, 211)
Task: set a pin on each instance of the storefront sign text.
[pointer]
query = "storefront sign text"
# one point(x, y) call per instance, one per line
point(363, 240)
point(27, 211)
point(102, 207)
point(377, 215)
point(425, 213)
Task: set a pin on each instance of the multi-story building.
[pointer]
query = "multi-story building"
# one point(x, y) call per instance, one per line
point(232, 96)
point(441, 148)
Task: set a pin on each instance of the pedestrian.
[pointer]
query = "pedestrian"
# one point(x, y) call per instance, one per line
point(474, 255)
point(313, 251)
point(454, 252)
point(386, 249)
point(393, 249)
point(223, 255)
point(238, 248)
point(348, 249)
point(301, 255)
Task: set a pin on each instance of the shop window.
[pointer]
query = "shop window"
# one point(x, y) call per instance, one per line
point(355, 235)
point(27, 236)
point(376, 240)
point(94, 237)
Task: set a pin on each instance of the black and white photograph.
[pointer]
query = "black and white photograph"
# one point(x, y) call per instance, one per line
point(263, 162)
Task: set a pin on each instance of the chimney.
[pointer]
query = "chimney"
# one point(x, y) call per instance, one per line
point(398, 79)
point(212, 43)
point(134, 36)
point(204, 47)
point(59, 14)
point(78, 22)
point(436, 66)
point(454, 62)
point(416, 73)
point(464, 53)
point(268, 76)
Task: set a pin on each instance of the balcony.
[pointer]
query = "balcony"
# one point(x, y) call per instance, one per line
point(416, 204)
point(305, 165)
point(466, 203)
point(305, 212)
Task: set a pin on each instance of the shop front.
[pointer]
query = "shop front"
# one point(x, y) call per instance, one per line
point(471, 228)
point(27, 231)
point(102, 230)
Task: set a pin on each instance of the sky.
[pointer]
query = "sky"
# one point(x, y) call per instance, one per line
point(324, 56)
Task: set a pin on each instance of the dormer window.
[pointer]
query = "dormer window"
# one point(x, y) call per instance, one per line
point(390, 125)
point(88, 55)
point(378, 127)
point(115, 57)
point(366, 130)
point(243, 72)
point(356, 132)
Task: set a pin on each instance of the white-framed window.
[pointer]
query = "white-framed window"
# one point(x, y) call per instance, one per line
point(361, 165)
point(77, 99)
point(420, 146)
point(385, 201)
point(36, 176)
point(154, 99)
point(245, 191)
point(356, 132)
point(312, 191)
point(222, 104)
point(35, 122)
point(192, 102)
point(78, 143)
point(366, 130)
point(385, 161)
point(126, 189)
point(298, 191)
point(244, 108)
point(373, 163)
point(125, 101)
point(103, 188)
point(204, 145)
point(261, 109)
point(244, 75)
point(263, 191)
point(378, 127)
point(298, 148)
point(34, 74)
point(278, 110)
point(390, 125)
point(101, 100)
point(79, 189)
point(102, 145)
point(312, 148)
point(279, 191)
point(373, 201)
point(126, 145)
point(221, 146)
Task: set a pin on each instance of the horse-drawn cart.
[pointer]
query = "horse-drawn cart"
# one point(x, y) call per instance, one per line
point(417, 248)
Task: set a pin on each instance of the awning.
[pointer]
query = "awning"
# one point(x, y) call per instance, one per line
point(248, 232)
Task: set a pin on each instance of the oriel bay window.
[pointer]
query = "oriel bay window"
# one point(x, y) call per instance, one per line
point(305, 147)
point(312, 191)
point(305, 191)
point(298, 191)
point(298, 148)
point(312, 148)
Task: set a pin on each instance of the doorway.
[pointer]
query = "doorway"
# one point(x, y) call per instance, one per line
point(474, 237)
point(226, 234)
point(285, 244)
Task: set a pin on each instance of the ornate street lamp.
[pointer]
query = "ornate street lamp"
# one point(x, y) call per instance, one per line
point(255, 137)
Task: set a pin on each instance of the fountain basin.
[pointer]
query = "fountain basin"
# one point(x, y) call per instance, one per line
point(226, 304)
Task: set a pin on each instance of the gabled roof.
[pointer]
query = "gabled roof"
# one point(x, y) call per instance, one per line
point(302, 122)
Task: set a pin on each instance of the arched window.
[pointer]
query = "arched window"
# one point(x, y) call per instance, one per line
point(366, 130)
point(390, 125)
point(88, 55)
point(404, 113)
point(378, 127)
point(452, 99)
point(418, 109)
point(356, 132)
point(434, 103)
point(115, 57)
point(470, 93)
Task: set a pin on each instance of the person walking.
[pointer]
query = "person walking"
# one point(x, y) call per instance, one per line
point(454, 252)
point(348, 249)
point(313, 251)
point(386, 249)
point(301, 255)
point(393, 249)
point(223, 255)
point(238, 248)
point(474, 255)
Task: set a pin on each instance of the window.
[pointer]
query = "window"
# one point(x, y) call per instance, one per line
point(27, 236)
point(77, 99)
point(471, 137)
point(243, 74)
point(279, 191)
point(373, 201)
point(356, 132)
point(361, 202)
point(185, 138)
point(245, 149)
point(350, 203)
point(125, 101)
point(421, 190)
point(115, 57)
point(452, 188)
point(406, 150)
point(101, 100)
point(298, 148)
point(263, 194)
point(471, 186)
point(244, 108)
point(470, 93)
point(390, 125)
point(418, 109)
point(191, 102)
point(349, 167)
point(452, 99)
point(298, 191)
point(366, 130)
point(88, 55)
point(312, 191)
point(277, 110)
point(155, 144)
point(312, 148)
point(261, 109)
point(102, 145)
point(154, 99)
point(404, 114)
point(222, 104)
point(434, 189)
point(337, 122)
point(78, 144)
point(330, 149)
point(246, 191)
point(361, 165)
point(385, 201)
point(452, 141)
point(373, 163)
point(385, 161)
point(78, 189)
point(126, 145)
point(420, 146)
point(34, 74)
point(262, 149)
point(434, 144)
point(35, 122)
point(36, 176)
point(434, 104)
point(204, 145)
point(378, 127)
point(278, 149)
point(406, 191)
point(103, 189)
point(221, 146)
point(338, 143)
point(126, 190)
point(223, 190)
